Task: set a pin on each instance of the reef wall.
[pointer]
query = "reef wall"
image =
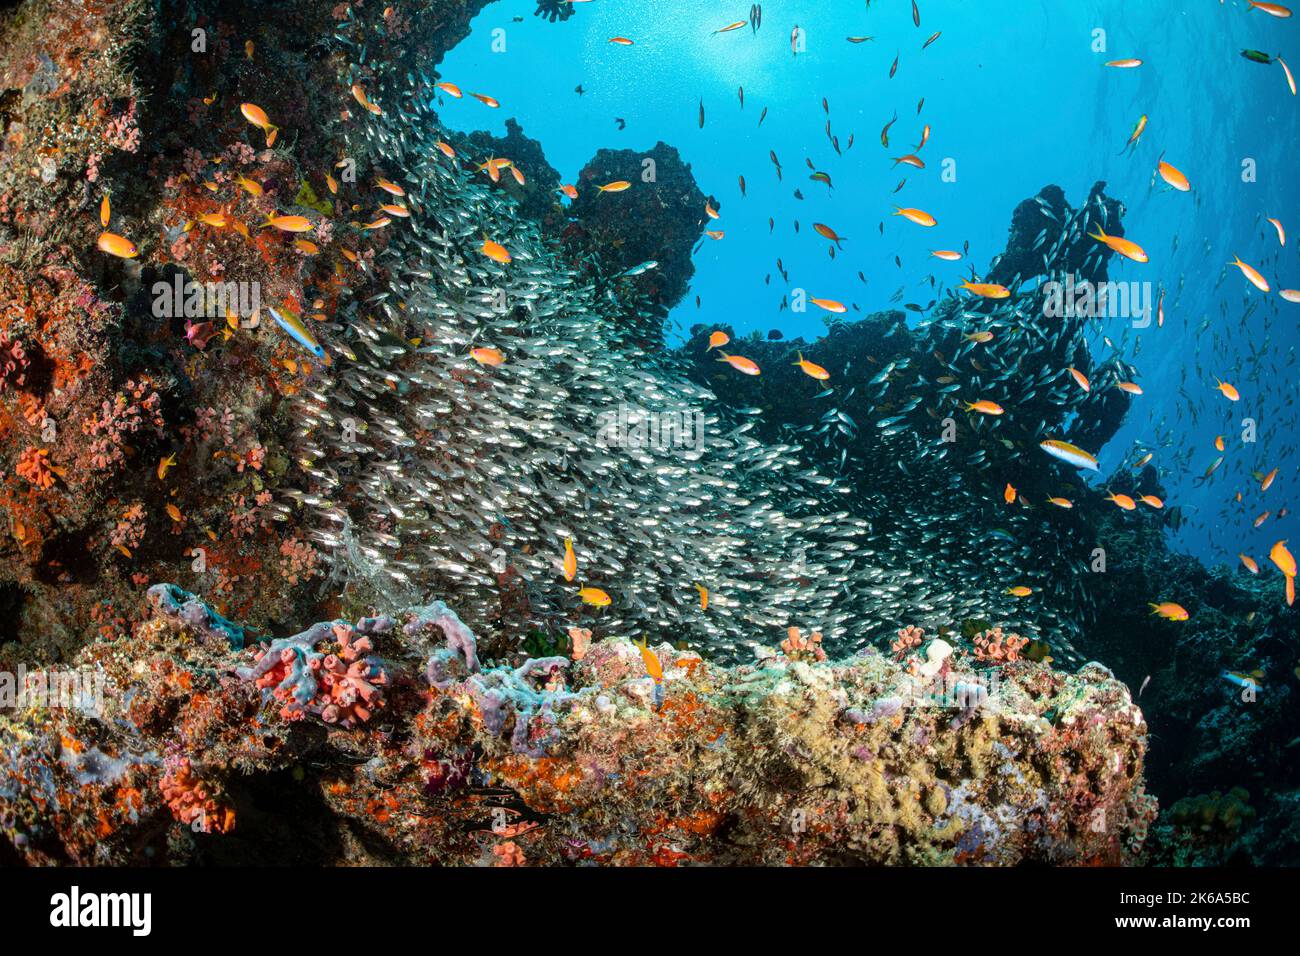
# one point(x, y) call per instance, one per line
point(387, 740)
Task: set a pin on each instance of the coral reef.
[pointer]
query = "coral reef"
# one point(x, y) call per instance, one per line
point(786, 760)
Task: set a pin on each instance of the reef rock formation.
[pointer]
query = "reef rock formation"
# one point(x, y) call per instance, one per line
point(941, 759)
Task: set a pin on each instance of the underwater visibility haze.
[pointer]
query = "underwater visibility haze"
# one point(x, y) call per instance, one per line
point(594, 432)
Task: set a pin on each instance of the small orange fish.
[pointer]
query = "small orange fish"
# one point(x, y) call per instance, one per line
point(617, 186)
point(1131, 387)
point(1257, 280)
point(826, 232)
point(620, 41)
point(704, 596)
point(1124, 501)
point(488, 356)
point(486, 100)
point(1152, 500)
point(1125, 64)
point(569, 190)
point(1124, 247)
point(594, 596)
point(1229, 392)
point(495, 251)
point(1260, 519)
point(116, 245)
point(717, 339)
point(1170, 611)
point(1173, 177)
point(1267, 481)
point(812, 369)
point(984, 407)
point(1251, 564)
point(830, 305)
point(451, 89)
point(980, 337)
point(1280, 556)
point(288, 223)
point(1009, 493)
point(104, 212)
point(651, 660)
point(1080, 379)
point(1218, 443)
point(446, 149)
point(1272, 9)
point(918, 216)
point(1061, 502)
point(173, 512)
point(359, 94)
point(947, 255)
point(390, 187)
point(1020, 591)
point(165, 465)
point(988, 290)
point(570, 560)
point(739, 363)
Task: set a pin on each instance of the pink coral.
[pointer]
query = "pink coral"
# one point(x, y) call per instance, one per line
point(193, 802)
point(908, 638)
point(998, 648)
point(797, 647)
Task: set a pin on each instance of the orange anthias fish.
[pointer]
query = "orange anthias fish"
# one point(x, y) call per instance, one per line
point(827, 232)
point(288, 223)
point(359, 95)
point(718, 339)
point(918, 216)
point(1061, 502)
point(165, 465)
point(495, 251)
point(1125, 64)
point(812, 369)
point(1020, 591)
point(652, 665)
point(704, 596)
point(1281, 232)
point(1229, 391)
point(1283, 558)
point(1173, 177)
point(1080, 379)
point(1257, 280)
point(1267, 481)
point(1170, 611)
point(988, 290)
point(486, 100)
point(830, 305)
point(116, 245)
point(486, 355)
point(947, 255)
point(1251, 564)
point(1152, 500)
point(1272, 9)
point(984, 407)
point(1124, 501)
point(620, 41)
point(1124, 247)
point(257, 116)
point(617, 186)
point(451, 89)
point(739, 363)
point(570, 560)
point(594, 596)
point(1009, 493)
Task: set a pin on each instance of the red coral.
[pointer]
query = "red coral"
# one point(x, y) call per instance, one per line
point(193, 802)
point(998, 648)
point(34, 465)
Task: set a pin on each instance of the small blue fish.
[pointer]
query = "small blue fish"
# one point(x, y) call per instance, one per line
point(298, 332)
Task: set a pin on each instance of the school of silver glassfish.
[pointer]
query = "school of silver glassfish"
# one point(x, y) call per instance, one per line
point(489, 465)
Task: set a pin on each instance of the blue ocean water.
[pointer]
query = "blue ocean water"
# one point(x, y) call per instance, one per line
point(1018, 97)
